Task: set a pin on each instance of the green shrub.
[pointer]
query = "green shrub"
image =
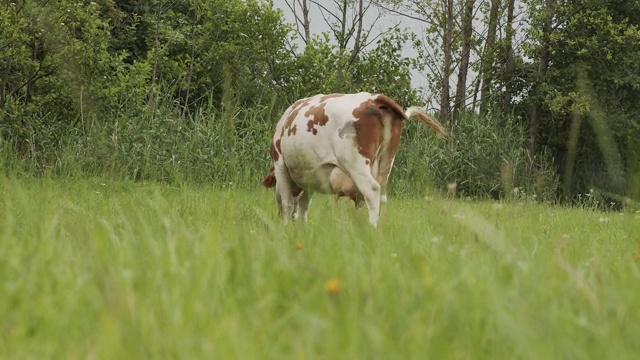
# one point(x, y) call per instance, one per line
point(485, 157)
point(159, 145)
point(228, 145)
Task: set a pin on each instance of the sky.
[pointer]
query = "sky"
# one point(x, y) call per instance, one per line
point(387, 21)
point(390, 19)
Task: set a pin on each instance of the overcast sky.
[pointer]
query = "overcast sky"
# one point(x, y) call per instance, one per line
point(387, 21)
point(390, 19)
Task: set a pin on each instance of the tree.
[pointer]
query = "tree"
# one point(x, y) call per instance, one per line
point(58, 69)
point(302, 18)
point(543, 64)
point(508, 59)
point(461, 87)
point(587, 73)
point(445, 101)
point(350, 56)
point(488, 57)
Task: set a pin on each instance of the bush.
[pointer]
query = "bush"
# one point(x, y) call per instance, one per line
point(216, 145)
point(228, 145)
point(485, 157)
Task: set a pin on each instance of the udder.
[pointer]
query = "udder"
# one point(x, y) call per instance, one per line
point(342, 185)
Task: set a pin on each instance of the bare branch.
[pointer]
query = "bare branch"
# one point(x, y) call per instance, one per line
point(324, 8)
point(397, 25)
point(306, 37)
point(396, 12)
point(298, 20)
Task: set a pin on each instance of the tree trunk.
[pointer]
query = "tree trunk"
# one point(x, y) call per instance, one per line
point(508, 61)
point(305, 34)
point(156, 43)
point(187, 79)
point(306, 22)
point(355, 52)
point(461, 86)
point(487, 58)
point(446, 66)
point(476, 89)
point(343, 26)
point(541, 72)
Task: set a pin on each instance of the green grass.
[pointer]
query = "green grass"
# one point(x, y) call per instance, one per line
point(123, 270)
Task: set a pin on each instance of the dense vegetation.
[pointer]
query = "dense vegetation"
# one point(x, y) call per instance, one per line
point(189, 90)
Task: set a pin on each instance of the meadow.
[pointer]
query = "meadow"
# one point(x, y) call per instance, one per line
point(101, 269)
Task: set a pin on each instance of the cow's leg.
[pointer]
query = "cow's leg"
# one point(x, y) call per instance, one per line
point(370, 190)
point(385, 163)
point(296, 208)
point(279, 202)
point(304, 200)
point(297, 193)
point(284, 193)
point(382, 176)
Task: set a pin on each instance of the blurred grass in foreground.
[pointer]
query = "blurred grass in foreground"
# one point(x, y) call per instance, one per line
point(122, 270)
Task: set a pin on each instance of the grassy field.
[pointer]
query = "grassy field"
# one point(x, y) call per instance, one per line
point(119, 270)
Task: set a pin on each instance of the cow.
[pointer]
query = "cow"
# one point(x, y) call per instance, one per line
point(340, 144)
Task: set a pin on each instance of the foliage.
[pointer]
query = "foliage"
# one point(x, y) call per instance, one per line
point(160, 146)
point(484, 158)
point(384, 70)
point(54, 67)
point(594, 77)
point(166, 91)
point(324, 68)
point(189, 90)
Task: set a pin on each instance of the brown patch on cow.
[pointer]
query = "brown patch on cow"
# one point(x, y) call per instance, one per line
point(391, 109)
point(273, 152)
point(369, 129)
point(394, 141)
point(330, 96)
point(295, 190)
point(311, 128)
point(318, 117)
point(299, 103)
point(295, 109)
point(269, 181)
point(278, 146)
point(292, 130)
point(384, 102)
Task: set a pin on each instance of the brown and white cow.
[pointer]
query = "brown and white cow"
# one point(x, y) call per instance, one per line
point(341, 144)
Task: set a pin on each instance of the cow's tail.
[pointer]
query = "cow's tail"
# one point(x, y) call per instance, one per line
point(417, 113)
point(269, 181)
